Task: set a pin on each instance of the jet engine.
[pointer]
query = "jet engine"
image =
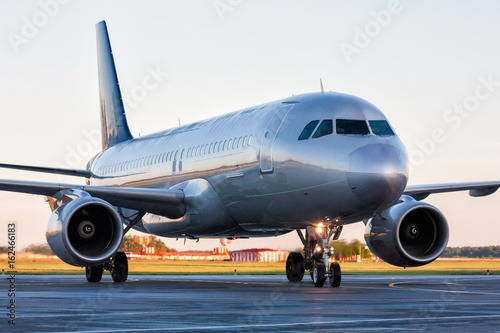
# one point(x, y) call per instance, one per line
point(408, 234)
point(84, 232)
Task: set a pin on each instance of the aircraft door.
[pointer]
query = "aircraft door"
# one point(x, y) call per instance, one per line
point(272, 129)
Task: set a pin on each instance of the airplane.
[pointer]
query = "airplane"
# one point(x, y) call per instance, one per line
point(309, 163)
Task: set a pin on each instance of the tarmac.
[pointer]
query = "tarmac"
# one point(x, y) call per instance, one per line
point(153, 303)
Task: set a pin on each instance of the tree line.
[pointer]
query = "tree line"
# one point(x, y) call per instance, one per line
point(128, 245)
point(472, 252)
point(342, 249)
point(346, 249)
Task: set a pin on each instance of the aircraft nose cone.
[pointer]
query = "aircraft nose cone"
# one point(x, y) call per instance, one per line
point(377, 174)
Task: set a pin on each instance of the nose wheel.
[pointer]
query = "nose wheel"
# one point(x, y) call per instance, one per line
point(335, 275)
point(319, 274)
point(295, 267)
point(316, 257)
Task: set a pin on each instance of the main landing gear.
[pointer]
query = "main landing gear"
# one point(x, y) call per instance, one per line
point(316, 257)
point(117, 266)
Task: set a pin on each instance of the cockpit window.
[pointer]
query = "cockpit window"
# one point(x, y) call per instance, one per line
point(380, 127)
point(326, 128)
point(307, 131)
point(354, 127)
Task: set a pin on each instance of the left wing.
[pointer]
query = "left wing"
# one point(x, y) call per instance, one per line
point(165, 202)
point(477, 189)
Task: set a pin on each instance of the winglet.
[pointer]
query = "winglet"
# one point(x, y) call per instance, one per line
point(114, 127)
point(321, 84)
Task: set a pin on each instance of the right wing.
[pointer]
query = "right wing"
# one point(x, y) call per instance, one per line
point(477, 189)
point(165, 202)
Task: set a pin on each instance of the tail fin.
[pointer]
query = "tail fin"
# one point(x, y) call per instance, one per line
point(114, 127)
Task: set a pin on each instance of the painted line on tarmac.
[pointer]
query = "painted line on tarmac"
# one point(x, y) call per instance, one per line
point(397, 285)
point(310, 324)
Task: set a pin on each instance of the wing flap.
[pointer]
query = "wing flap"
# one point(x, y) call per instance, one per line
point(165, 202)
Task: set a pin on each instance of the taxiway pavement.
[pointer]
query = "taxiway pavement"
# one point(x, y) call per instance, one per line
point(61, 303)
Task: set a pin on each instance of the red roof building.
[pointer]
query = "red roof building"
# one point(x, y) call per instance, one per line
point(260, 255)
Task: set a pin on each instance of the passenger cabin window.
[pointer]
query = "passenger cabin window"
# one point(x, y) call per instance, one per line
point(381, 127)
point(352, 127)
point(326, 128)
point(307, 131)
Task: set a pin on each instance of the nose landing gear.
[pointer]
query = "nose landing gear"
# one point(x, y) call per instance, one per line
point(316, 257)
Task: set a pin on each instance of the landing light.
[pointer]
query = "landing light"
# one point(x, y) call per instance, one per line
point(319, 230)
point(318, 248)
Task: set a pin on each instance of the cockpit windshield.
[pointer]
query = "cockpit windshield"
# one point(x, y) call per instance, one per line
point(345, 127)
point(307, 131)
point(381, 127)
point(326, 128)
point(352, 127)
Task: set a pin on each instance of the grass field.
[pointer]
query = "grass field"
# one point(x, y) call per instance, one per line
point(228, 267)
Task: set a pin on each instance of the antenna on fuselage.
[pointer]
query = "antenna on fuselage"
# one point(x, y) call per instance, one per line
point(321, 84)
point(179, 119)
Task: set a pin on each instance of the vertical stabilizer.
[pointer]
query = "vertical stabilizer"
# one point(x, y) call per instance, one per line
point(114, 127)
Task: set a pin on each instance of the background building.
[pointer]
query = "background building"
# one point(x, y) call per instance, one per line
point(260, 255)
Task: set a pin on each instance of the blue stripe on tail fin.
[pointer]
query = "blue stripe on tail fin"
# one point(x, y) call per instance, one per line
point(114, 127)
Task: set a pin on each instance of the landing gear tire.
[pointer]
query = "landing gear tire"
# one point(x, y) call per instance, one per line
point(335, 275)
point(94, 273)
point(119, 270)
point(319, 274)
point(295, 267)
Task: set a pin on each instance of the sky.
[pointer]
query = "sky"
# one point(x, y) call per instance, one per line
point(432, 67)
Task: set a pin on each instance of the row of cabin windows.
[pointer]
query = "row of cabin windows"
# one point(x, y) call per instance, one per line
point(220, 146)
point(346, 127)
point(200, 150)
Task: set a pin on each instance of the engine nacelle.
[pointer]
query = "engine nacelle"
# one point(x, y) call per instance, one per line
point(84, 232)
point(408, 234)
